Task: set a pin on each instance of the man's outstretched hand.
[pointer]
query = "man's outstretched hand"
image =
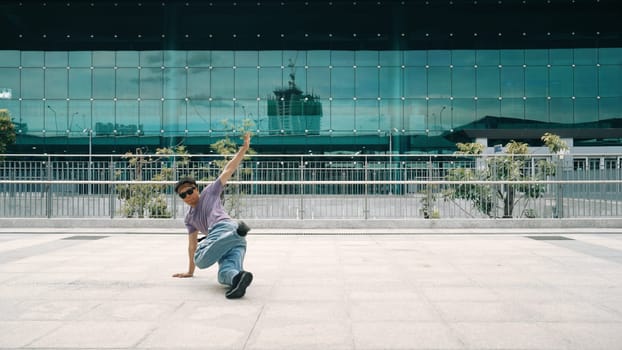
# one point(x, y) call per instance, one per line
point(182, 275)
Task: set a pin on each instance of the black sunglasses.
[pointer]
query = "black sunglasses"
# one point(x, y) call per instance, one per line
point(187, 192)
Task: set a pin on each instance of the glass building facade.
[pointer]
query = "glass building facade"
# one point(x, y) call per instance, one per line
point(323, 96)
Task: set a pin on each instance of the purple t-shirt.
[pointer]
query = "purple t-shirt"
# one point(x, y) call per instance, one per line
point(208, 211)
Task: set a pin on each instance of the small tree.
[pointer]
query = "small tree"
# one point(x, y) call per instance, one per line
point(147, 199)
point(7, 130)
point(513, 166)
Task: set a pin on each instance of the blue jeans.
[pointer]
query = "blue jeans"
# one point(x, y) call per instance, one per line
point(225, 246)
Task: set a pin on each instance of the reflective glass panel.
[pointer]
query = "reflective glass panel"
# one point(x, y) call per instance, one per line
point(463, 82)
point(415, 82)
point(415, 111)
point(585, 110)
point(56, 83)
point(560, 81)
point(561, 110)
point(150, 83)
point(127, 83)
point(56, 59)
point(391, 82)
point(537, 109)
point(103, 59)
point(585, 81)
point(610, 81)
point(463, 112)
point(367, 115)
point(103, 83)
point(512, 82)
point(487, 82)
point(366, 82)
point(439, 82)
point(342, 82)
point(222, 83)
point(175, 83)
point(80, 83)
point(127, 59)
point(246, 80)
point(32, 83)
point(536, 81)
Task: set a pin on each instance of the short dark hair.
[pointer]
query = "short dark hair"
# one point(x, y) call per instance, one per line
point(185, 180)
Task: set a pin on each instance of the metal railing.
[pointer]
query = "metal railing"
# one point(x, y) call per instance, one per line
point(307, 187)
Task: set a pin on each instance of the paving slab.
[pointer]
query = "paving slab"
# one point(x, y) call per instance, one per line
point(522, 290)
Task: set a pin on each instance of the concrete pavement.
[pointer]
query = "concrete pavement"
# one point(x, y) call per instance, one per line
point(94, 289)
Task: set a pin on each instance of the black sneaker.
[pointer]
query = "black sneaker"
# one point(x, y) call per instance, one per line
point(239, 284)
point(243, 228)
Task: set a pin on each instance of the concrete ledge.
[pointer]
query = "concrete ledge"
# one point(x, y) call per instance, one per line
point(156, 225)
